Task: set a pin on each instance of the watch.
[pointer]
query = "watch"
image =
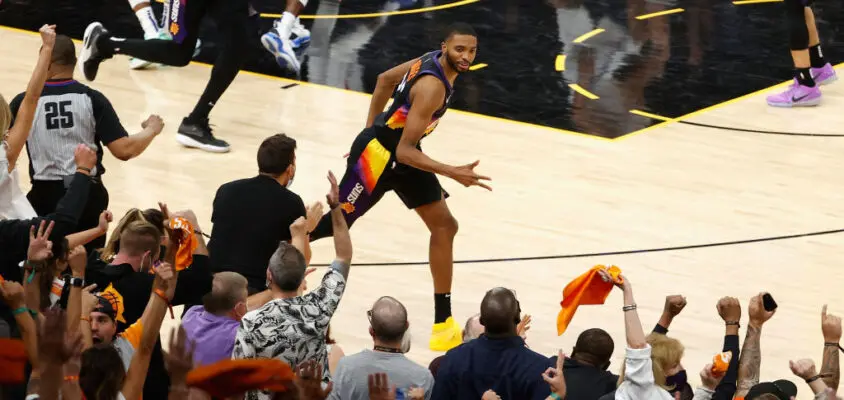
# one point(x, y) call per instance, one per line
point(75, 281)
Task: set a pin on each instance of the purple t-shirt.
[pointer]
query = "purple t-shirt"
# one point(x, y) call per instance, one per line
point(213, 335)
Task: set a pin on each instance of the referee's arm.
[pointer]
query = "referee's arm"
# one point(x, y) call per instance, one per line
point(111, 132)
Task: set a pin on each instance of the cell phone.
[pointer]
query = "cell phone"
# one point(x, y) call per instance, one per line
point(768, 302)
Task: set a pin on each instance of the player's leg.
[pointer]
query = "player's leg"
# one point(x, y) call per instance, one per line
point(98, 45)
point(143, 11)
point(421, 191)
point(822, 71)
point(363, 184)
point(278, 40)
point(232, 18)
point(804, 92)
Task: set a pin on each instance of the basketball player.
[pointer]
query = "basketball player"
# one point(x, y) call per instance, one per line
point(810, 67)
point(386, 156)
point(278, 39)
point(232, 17)
point(146, 17)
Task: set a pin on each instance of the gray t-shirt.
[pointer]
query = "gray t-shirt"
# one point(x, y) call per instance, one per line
point(350, 379)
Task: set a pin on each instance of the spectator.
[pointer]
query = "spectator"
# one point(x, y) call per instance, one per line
point(13, 204)
point(387, 325)
point(587, 370)
point(498, 360)
point(78, 115)
point(472, 330)
point(751, 357)
point(291, 327)
point(251, 216)
point(213, 326)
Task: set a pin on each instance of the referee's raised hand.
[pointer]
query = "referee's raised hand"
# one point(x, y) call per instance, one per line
point(48, 35)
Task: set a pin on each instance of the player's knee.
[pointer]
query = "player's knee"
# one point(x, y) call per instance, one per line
point(798, 30)
point(446, 226)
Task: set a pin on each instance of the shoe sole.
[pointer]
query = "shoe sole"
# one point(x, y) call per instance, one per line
point(188, 141)
point(85, 55)
point(140, 65)
point(301, 43)
point(828, 81)
point(272, 47)
point(810, 103)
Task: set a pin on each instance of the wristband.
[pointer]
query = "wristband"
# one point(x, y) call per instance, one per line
point(20, 310)
point(84, 318)
point(731, 323)
point(160, 293)
point(629, 308)
point(86, 169)
point(71, 378)
point(814, 378)
point(555, 396)
point(32, 312)
point(830, 344)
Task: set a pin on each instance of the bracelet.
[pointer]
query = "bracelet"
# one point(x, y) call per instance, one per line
point(84, 318)
point(730, 323)
point(160, 293)
point(32, 312)
point(71, 378)
point(555, 396)
point(86, 169)
point(20, 310)
point(830, 344)
point(629, 308)
point(814, 378)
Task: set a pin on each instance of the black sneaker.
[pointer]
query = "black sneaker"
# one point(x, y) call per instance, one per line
point(198, 135)
point(91, 55)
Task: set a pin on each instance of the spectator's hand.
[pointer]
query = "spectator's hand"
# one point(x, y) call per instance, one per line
point(164, 210)
point(309, 381)
point(299, 227)
point(674, 304)
point(13, 294)
point(523, 326)
point(758, 315)
point(314, 214)
point(804, 368)
point(554, 377)
point(831, 327)
point(85, 157)
point(624, 285)
point(179, 360)
point(165, 279)
point(707, 379)
point(105, 218)
point(48, 36)
point(154, 123)
point(188, 215)
point(89, 300)
point(416, 393)
point(379, 387)
point(304, 285)
point(333, 196)
point(40, 247)
point(78, 259)
point(729, 309)
point(55, 345)
point(490, 395)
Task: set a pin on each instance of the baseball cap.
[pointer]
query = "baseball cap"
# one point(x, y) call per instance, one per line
point(783, 389)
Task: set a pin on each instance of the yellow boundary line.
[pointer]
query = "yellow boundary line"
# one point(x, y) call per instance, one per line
point(583, 92)
point(649, 115)
point(478, 66)
point(661, 13)
point(379, 14)
point(744, 2)
point(584, 37)
point(560, 63)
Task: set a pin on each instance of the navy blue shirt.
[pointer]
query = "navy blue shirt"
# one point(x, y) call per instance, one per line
point(504, 365)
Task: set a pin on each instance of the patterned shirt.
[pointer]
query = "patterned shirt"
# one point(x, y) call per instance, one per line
point(292, 330)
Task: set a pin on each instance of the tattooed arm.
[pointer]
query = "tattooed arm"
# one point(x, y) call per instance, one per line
point(831, 327)
point(751, 355)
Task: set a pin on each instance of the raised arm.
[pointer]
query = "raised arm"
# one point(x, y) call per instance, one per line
point(84, 237)
point(129, 147)
point(342, 240)
point(13, 295)
point(674, 304)
point(805, 369)
point(427, 96)
point(830, 368)
point(729, 309)
point(384, 88)
point(26, 113)
point(77, 259)
point(751, 355)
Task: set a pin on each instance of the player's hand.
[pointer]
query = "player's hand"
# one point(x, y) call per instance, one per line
point(48, 36)
point(85, 157)
point(155, 123)
point(465, 174)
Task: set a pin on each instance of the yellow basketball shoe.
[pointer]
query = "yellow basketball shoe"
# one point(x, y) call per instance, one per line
point(445, 335)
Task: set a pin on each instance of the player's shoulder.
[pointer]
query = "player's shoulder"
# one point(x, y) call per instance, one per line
point(430, 86)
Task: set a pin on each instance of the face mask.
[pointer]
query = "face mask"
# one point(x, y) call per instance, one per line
point(290, 182)
point(678, 380)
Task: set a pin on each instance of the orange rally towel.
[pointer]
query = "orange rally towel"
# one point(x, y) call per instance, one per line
point(235, 377)
point(586, 289)
point(12, 361)
point(187, 242)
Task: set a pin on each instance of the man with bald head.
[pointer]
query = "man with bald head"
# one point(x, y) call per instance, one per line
point(388, 326)
point(472, 330)
point(497, 360)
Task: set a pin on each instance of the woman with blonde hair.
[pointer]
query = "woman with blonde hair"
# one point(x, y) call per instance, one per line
point(13, 203)
point(152, 216)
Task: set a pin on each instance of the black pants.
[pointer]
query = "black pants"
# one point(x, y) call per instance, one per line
point(232, 19)
point(798, 37)
point(45, 195)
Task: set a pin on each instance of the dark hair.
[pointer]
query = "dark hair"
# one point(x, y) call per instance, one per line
point(287, 267)
point(102, 373)
point(64, 51)
point(594, 346)
point(459, 28)
point(276, 154)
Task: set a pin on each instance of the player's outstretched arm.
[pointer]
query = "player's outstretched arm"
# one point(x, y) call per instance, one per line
point(384, 87)
point(427, 97)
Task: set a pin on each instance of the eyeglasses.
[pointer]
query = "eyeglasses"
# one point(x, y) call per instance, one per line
point(369, 316)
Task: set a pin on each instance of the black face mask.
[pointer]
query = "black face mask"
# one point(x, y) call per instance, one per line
point(678, 380)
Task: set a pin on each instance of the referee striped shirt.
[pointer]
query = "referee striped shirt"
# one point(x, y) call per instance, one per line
point(68, 114)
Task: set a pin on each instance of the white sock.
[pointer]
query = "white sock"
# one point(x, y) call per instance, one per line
point(285, 25)
point(147, 19)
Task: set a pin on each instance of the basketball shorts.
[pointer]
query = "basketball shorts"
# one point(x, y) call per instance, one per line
point(372, 171)
point(174, 19)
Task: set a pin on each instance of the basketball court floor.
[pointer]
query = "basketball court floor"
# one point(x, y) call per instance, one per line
point(755, 203)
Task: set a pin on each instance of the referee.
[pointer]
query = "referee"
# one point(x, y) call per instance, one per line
point(68, 114)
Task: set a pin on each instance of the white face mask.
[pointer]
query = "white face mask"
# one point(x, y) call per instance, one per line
point(290, 182)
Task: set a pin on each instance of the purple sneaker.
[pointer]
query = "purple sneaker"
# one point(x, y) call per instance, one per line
point(796, 96)
point(824, 75)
